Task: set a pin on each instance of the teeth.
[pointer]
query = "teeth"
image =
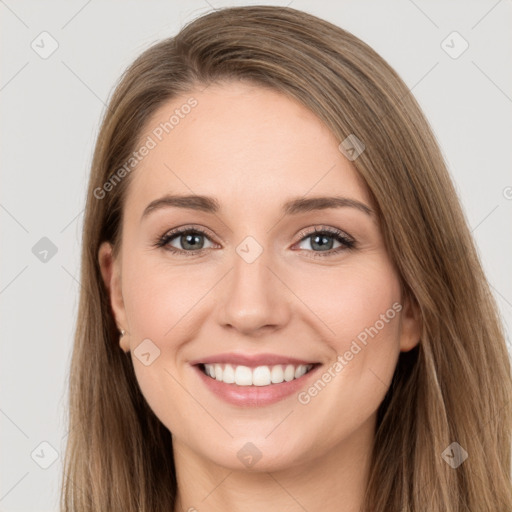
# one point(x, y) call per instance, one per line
point(243, 375)
point(277, 375)
point(259, 376)
point(289, 373)
point(300, 371)
point(228, 375)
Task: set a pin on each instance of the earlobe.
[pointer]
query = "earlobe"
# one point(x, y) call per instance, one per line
point(410, 324)
point(111, 274)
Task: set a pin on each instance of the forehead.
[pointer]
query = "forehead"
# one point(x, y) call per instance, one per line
point(242, 143)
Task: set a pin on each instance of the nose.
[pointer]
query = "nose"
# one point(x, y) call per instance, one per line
point(254, 299)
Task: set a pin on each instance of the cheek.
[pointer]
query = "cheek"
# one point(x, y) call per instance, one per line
point(160, 302)
point(362, 308)
point(158, 298)
point(356, 302)
point(360, 305)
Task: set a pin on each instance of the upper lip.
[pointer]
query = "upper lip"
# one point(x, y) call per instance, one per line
point(252, 360)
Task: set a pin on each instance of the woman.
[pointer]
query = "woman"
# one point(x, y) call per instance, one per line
point(282, 305)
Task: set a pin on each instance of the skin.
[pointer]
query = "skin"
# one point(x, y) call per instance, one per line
point(253, 148)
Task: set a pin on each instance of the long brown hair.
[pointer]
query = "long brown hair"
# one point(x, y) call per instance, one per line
point(454, 387)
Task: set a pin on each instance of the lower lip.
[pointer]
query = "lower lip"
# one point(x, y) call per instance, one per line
point(254, 396)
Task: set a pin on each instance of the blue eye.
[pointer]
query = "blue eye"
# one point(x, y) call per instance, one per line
point(189, 239)
point(320, 238)
point(192, 241)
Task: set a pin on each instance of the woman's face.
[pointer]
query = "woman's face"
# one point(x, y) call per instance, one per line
point(255, 293)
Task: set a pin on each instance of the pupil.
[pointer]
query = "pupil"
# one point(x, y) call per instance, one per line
point(323, 243)
point(188, 239)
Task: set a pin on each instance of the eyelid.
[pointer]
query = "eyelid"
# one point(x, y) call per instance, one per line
point(163, 241)
point(189, 227)
point(324, 229)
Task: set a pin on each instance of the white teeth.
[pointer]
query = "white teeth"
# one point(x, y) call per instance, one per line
point(243, 375)
point(259, 376)
point(277, 375)
point(228, 375)
point(300, 371)
point(289, 373)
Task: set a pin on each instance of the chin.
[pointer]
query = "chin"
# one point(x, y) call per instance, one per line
point(256, 455)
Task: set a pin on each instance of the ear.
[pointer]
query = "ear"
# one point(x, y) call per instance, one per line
point(111, 273)
point(410, 324)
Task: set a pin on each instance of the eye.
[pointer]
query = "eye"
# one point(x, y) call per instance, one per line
point(190, 240)
point(320, 241)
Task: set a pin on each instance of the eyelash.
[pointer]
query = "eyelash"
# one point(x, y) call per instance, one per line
point(340, 236)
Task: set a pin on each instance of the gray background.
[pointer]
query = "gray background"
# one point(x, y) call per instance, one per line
point(51, 109)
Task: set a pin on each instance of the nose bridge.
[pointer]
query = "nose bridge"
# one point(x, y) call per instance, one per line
point(250, 272)
point(254, 298)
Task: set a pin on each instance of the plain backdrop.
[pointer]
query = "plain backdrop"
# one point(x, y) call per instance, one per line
point(51, 108)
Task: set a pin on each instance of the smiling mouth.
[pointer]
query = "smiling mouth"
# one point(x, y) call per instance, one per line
point(240, 375)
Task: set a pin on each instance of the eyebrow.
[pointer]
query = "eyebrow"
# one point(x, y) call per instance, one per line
point(290, 207)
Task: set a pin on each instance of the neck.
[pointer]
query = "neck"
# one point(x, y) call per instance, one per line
point(335, 479)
